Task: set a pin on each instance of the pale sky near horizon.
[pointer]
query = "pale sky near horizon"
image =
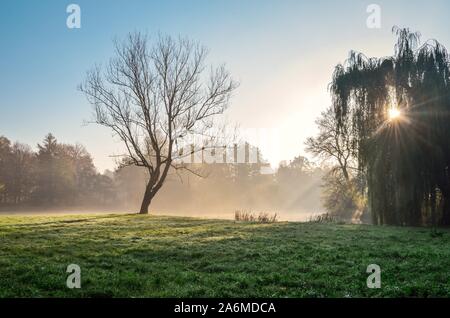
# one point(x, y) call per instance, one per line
point(281, 51)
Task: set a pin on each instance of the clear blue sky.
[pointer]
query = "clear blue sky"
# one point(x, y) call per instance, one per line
point(282, 52)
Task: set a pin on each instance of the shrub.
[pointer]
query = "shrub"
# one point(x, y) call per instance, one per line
point(248, 216)
point(323, 218)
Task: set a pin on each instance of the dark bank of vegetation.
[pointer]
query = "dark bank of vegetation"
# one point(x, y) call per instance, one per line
point(57, 175)
point(388, 133)
point(140, 256)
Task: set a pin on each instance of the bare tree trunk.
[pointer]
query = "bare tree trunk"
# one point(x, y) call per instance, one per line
point(147, 200)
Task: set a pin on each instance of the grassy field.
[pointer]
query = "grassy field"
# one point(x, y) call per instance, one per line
point(147, 256)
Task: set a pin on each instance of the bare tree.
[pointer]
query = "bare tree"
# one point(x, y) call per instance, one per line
point(344, 185)
point(153, 98)
point(334, 143)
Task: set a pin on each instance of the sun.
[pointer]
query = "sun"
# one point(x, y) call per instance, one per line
point(394, 113)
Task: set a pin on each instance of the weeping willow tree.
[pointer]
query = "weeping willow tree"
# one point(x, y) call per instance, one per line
point(399, 111)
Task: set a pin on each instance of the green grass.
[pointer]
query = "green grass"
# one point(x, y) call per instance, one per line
point(147, 256)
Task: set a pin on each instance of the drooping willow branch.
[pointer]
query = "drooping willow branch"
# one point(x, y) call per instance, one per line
point(406, 161)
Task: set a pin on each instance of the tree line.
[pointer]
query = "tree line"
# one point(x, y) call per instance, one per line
point(56, 174)
point(294, 189)
point(63, 176)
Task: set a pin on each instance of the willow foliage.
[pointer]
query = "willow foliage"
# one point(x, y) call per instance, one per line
point(405, 160)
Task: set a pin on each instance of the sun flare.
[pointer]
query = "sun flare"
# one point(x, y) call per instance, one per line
point(394, 113)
